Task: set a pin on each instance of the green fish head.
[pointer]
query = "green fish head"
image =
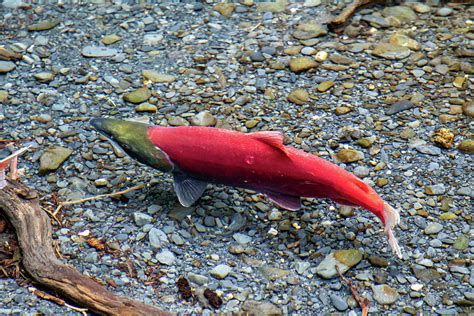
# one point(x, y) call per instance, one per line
point(133, 138)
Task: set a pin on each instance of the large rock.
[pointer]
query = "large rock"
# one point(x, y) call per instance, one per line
point(52, 158)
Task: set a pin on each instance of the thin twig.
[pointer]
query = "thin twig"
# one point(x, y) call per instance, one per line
point(53, 216)
point(363, 302)
point(255, 27)
point(96, 197)
point(56, 300)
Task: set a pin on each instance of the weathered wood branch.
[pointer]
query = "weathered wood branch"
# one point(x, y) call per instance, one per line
point(33, 230)
point(345, 15)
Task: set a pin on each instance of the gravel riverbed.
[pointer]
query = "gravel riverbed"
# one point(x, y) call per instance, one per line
point(389, 98)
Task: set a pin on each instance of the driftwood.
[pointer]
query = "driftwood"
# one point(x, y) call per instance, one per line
point(33, 229)
point(342, 18)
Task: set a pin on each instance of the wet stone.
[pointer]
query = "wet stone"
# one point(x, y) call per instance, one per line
point(399, 106)
point(220, 271)
point(390, 51)
point(53, 158)
point(344, 259)
point(339, 303)
point(98, 52)
point(6, 66)
point(166, 257)
point(300, 64)
point(298, 96)
point(385, 294)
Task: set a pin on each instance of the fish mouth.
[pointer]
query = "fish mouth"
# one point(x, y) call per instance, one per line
point(100, 125)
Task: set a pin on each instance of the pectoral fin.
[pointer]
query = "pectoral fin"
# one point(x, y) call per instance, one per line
point(188, 189)
point(289, 202)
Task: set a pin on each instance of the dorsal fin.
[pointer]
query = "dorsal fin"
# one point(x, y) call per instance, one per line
point(273, 139)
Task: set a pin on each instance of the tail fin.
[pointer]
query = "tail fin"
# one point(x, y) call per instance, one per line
point(392, 219)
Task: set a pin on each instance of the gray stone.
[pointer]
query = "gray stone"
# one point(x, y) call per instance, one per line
point(399, 106)
point(98, 52)
point(197, 278)
point(220, 271)
point(152, 39)
point(157, 238)
point(385, 294)
point(141, 219)
point(433, 228)
point(166, 257)
point(242, 238)
point(6, 66)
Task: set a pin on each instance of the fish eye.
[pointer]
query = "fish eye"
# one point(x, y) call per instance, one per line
point(126, 147)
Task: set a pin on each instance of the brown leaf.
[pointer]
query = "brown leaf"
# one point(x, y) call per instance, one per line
point(214, 299)
point(184, 288)
point(96, 243)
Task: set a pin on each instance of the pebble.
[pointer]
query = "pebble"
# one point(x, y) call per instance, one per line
point(325, 85)
point(225, 9)
point(298, 96)
point(300, 64)
point(468, 108)
point(390, 51)
point(152, 39)
point(308, 51)
point(157, 238)
point(43, 25)
point(166, 257)
point(220, 271)
point(433, 228)
point(98, 52)
point(204, 118)
point(261, 308)
point(385, 294)
point(6, 66)
point(466, 146)
point(402, 13)
point(138, 96)
point(444, 11)
point(436, 189)
point(142, 219)
point(52, 158)
point(399, 106)
point(242, 238)
point(429, 150)
point(110, 39)
point(156, 76)
point(339, 303)
point(349, 155)
point(345, 259)
point(198, 278)
point(146, 107)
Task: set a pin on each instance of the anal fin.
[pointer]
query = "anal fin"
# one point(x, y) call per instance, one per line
point(289, 202)
point(188, 189)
